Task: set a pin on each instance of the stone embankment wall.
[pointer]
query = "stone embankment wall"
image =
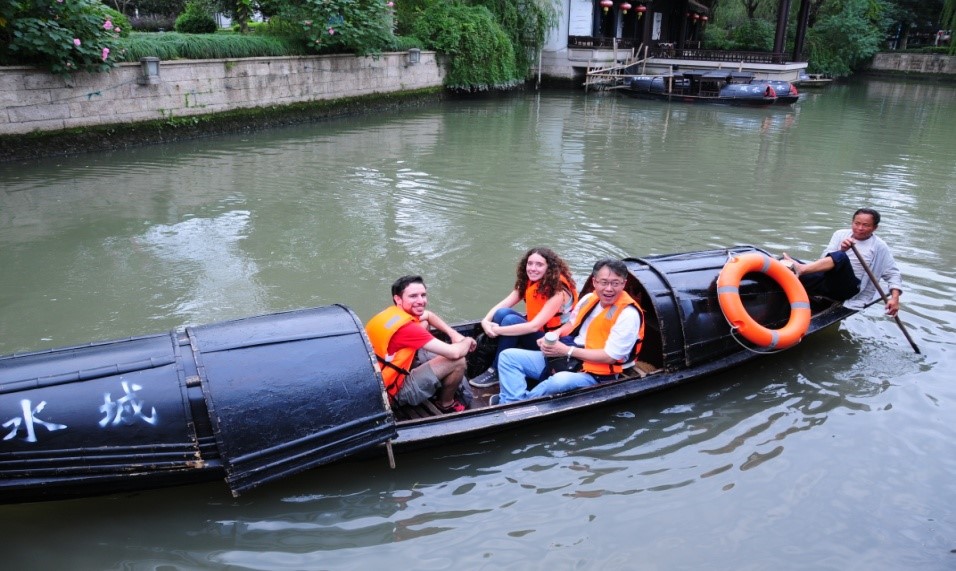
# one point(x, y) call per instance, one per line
point(35, 101)
point(935, 64)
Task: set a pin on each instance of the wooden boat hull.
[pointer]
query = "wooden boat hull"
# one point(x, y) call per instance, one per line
point(714, 88)
point(253, 400)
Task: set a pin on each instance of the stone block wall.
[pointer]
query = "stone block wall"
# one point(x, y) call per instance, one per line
point(33, 100)
point(914, 63)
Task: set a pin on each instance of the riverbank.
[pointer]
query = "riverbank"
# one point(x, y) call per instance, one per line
point(913, 66)
point(114, 136)
point(49, 115)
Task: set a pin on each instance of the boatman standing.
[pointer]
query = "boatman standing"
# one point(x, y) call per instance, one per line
point(416, 366)
point(838, 275)
point(605, 329)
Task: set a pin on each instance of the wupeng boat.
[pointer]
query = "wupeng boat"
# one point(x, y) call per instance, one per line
point(254, 400)
point(718, 86)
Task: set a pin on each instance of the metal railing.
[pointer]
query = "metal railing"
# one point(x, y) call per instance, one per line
point(668, 51)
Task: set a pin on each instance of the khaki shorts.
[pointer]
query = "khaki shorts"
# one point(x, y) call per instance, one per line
point(421, 384)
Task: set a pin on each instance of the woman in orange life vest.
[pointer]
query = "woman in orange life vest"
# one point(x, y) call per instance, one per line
point(604, 332)
point(545, 285)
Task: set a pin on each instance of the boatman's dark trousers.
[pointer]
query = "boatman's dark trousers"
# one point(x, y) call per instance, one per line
point(839, 284)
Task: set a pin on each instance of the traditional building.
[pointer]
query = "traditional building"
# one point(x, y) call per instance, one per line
point(603, 33)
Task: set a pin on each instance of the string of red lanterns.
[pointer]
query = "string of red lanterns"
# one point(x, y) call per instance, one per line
point(626, 6)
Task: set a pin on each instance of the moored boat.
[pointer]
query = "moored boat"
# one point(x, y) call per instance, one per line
point(258, 399)
point(814, 80)
point(718, 86)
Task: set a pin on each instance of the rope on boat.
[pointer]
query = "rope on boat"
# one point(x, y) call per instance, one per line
point(738, 338)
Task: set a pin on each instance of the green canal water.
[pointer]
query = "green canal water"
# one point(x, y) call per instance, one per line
point(838, 454)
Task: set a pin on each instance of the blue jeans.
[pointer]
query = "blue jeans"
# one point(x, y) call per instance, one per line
point(507, 316)
point(517, 364)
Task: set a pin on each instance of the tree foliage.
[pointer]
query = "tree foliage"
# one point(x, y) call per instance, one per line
point(847, 35)
point(949, 22)
point(482, 55)
point(362, 27)
point(62, 36)
point(495, 47)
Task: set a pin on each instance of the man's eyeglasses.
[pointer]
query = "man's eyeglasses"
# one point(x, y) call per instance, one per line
point(612, 283)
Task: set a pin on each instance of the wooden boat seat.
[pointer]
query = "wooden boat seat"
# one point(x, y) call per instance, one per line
point(426, 409)
point(639, 369)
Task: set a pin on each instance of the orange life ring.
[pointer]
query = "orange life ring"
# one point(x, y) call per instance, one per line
point(728, 295)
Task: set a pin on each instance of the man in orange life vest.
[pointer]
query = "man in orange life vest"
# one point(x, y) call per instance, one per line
point(400, 333)
point(606, 327)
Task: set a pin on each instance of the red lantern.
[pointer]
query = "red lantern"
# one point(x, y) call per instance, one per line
point(696, 16)
point(625, 6)
point(640, 11)
point(704, 18)
point(606, 4)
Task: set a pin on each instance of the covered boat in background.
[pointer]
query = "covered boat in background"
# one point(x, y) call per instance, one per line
point(717, 86)
point(254, 400)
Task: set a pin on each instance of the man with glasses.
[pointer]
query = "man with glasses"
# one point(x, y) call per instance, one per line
point(605, 329)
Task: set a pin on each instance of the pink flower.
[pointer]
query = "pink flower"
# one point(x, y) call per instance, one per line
point(307, 22)
point(117, 30)
point(108, 25)
point(76, 42)
point(106, 53)
point(331, 31)
point(390, 4)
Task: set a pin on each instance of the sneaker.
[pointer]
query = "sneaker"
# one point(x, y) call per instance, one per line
point(495, 400)
point(487, 379)
point(455, 406)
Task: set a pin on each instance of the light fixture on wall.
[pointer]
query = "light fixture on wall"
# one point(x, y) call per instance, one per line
point(414, 56)
point(150, 71)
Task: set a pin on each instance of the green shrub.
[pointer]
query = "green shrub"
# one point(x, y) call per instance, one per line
point(120, 21)
point(62, 36)
point(482, 55)
point(405, 43)
point(755, 35)
point(362, 27)
point(196, 19)
point(716, 38)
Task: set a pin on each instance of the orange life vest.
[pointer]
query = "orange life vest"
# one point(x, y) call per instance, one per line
point(599, 330)
point(380, 330)
point(534, 303)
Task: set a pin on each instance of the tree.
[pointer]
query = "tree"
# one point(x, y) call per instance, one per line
point(949, 22)
point(849, 33)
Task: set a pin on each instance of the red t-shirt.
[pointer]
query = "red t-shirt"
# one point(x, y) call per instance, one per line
point(412, 335)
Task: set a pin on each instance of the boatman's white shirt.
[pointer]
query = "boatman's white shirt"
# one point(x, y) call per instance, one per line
point(878, 256)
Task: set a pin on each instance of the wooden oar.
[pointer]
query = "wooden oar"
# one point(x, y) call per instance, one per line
point(879, 289)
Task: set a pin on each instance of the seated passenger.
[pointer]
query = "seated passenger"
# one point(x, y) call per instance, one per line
point(415, 365)
point(605, 329)
point(545, 285)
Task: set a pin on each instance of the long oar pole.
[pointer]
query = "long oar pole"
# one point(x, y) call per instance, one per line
point(879, 289)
